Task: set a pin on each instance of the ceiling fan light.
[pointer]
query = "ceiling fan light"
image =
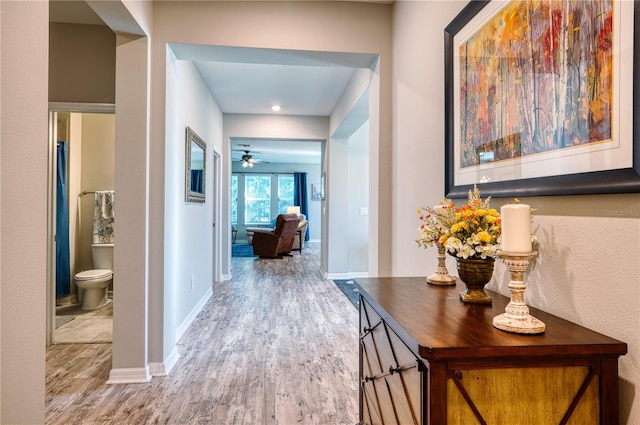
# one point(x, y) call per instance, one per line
point(245, 164)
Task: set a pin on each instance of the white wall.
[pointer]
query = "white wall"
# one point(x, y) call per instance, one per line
point(82, 63)
point(335, 252)
point(136, 209)
point(587, 271)
point(347, 192)
point(23, 234)
point(352, 109)
point(316, 26)
point(358, 207)
point(352, 157)
point(73, 123)
point(97, 170)
point(188, 226)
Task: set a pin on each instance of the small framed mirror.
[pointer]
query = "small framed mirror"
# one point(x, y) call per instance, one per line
point(195, 167)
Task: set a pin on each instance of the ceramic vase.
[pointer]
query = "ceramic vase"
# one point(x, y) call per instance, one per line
point(475, 273)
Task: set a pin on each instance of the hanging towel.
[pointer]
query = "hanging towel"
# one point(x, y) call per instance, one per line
point(103, 215)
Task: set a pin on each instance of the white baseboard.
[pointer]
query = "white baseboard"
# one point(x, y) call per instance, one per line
point(343, 276)
point(142, 375)
point(157, 369)
point(333, 276)
point(192, 316)
point(225, 277)
point(163, 368)
point(133, 375)
point(171, 361)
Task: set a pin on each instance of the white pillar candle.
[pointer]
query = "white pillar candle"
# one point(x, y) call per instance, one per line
point(438, 209)
point(516, 228)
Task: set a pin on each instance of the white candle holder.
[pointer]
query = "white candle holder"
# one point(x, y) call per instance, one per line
point(516, 317)
point(441, 276)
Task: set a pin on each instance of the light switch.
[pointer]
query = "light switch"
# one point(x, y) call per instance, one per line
point(364, 211)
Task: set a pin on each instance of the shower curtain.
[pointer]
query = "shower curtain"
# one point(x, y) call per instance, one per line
point(63, 268)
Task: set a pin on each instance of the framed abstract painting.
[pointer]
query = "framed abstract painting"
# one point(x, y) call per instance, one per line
point(540, 98)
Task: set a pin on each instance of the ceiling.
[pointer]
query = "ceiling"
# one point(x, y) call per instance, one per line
point(72, 12)
point(251, 80)
point(272, 151)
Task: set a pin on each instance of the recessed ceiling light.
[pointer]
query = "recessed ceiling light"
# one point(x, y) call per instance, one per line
point(276, 108)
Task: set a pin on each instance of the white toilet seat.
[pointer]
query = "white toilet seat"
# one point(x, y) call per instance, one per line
point(94, 284)
point(97, 274)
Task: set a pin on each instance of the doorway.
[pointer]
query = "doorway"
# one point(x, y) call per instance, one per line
point(217, 241)
point(81, 163)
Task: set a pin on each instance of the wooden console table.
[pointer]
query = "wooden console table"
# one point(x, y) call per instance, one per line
point(426, 358)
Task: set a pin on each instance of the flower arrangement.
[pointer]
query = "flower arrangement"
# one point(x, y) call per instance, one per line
point(433, 221)
point(474, 229)
point(471, 231)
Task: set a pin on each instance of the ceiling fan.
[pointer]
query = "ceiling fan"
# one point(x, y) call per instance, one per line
point(248, 160)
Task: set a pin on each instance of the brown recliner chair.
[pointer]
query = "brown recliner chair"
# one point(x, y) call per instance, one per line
point(278, 242)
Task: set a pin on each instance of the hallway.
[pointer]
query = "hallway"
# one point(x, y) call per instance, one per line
point(277, 344)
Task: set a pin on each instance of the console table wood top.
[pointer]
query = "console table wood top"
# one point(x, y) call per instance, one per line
point(435, 324)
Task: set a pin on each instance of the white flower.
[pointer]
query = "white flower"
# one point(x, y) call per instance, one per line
point(487, 251)
point(466, 251)
point(473, 240)
point(453, 245)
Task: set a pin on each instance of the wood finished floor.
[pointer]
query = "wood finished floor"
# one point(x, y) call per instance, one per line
point(277, 344)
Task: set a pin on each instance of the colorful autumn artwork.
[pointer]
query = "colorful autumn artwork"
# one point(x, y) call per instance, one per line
point(537, 77)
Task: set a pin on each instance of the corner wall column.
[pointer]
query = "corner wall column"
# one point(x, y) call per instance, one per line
point(24, 69)
point(131, 251)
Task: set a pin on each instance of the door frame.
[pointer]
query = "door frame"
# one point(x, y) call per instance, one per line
point(217, 217)
point(54, 109)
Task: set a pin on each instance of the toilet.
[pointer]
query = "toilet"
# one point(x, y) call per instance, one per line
point(94, 283)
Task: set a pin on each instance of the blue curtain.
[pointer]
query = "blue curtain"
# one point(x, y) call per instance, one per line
point(300, 196)
point(63, 272)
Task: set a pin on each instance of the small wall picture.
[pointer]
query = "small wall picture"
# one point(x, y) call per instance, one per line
point(316, 192)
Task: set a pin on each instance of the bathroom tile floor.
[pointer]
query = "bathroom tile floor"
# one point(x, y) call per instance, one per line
point(85, 327)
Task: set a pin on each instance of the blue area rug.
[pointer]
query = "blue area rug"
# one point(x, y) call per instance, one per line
point(242, 251)
point(349, 288)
